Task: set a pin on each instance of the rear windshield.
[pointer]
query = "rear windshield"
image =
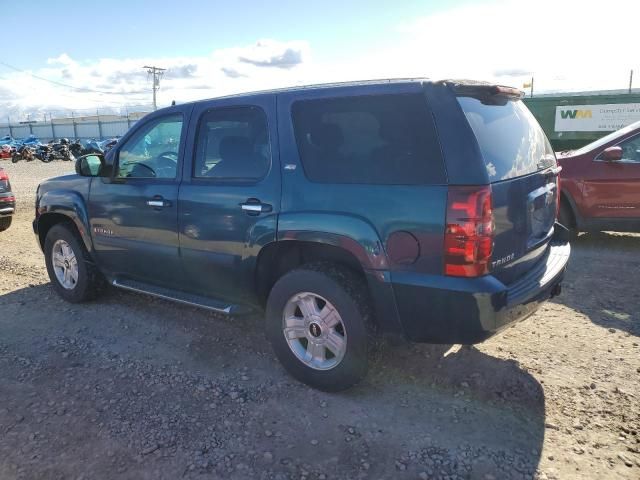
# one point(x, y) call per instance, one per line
point(510, 139)
point(377, 139)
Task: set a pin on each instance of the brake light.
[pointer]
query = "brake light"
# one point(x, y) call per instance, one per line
point(3, 175)
point(468, 238)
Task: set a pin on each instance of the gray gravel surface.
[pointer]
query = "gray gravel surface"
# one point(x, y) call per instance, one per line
point(133, 387)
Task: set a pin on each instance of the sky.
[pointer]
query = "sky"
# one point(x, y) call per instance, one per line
point(83, 56)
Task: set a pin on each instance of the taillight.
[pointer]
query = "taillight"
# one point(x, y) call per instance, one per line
point(4, 180)
point(468, 238)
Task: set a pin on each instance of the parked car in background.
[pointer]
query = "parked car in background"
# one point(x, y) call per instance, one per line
point(424, 209)
point(7, 201)
point(600, 183)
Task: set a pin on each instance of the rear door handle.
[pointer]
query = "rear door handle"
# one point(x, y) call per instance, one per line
point(158, 202)
point(253, 206)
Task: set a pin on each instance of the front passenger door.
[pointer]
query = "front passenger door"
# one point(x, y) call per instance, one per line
point(611, 187)
point(134, 213)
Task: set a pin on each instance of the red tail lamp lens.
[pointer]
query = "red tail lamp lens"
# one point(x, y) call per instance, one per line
point(468, 239)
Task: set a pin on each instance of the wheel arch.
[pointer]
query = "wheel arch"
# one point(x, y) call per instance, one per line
point(567, 199)
point(359, 250)
point(63, 207)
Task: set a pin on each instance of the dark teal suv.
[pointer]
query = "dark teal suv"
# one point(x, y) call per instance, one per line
point(417, 208)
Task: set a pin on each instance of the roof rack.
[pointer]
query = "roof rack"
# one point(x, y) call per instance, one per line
point(320, 85)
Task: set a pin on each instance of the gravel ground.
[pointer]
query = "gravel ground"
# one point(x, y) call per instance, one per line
point(133, 387)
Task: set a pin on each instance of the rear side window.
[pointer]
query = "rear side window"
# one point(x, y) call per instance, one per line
point(233, 144)
point(384, 139)
point(510, 139)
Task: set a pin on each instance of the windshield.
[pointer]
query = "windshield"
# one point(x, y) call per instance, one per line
point(607, 138)
point(510, 139)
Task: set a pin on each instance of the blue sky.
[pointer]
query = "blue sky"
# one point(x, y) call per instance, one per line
point(123, 29)
point(91, 53)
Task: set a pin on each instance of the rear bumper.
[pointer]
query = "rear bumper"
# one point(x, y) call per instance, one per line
point(439, 309)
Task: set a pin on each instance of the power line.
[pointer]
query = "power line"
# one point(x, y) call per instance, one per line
point(60, 84)
point(157, 73)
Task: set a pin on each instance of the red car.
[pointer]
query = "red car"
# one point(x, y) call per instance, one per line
point(600, 184)
point(7, 201)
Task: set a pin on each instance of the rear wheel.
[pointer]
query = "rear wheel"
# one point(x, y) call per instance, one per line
point(316, 322)
point(5, 222)
point(72, 274)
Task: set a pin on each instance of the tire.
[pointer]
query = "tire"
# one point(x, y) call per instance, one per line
point(329, 287)
point(88, 281)
point(566, 218)
point(5, 222)
point(15, 159)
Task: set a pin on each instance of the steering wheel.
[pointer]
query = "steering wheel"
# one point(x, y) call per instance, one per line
point(138, 165)
point(168, 156)
point(167, 164)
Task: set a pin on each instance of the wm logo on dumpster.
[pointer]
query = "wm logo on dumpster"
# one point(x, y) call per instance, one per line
point(575, 114)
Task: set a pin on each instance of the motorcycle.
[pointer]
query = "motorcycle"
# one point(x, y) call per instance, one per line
point(61, 152)
point(24, 152)
point(6, 151)
point(44, 153)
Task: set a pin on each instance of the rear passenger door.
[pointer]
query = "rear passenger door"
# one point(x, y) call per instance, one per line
point(230, 195)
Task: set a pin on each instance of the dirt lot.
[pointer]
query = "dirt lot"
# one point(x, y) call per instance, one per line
point(133, 387)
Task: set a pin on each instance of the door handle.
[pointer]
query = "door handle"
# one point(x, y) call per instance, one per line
point(158, 202)
point(253, 206)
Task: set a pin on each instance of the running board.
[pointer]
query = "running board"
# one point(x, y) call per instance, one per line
point(180, 297)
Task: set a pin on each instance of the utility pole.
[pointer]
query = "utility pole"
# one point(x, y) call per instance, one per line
point(156, 73)
point(630, 81)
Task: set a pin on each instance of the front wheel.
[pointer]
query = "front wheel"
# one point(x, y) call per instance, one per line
point(70, 270)
point(316, 323)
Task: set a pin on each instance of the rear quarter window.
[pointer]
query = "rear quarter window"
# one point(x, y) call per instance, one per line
point(384, 139)
point(511, 141)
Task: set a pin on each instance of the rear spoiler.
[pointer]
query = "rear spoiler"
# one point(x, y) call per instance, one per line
point(483, 90)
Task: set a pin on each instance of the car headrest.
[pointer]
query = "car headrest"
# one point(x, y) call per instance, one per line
point(235, 147)
point(327, 136)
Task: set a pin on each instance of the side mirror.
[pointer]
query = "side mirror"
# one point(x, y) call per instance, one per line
point(90, 165)
point(611, 154)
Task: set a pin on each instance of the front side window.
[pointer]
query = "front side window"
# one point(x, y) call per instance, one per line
point(233, 144)
point(377, 139)
point(153, 151)
point(631, 150)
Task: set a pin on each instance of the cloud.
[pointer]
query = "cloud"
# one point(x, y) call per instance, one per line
point(565, 46)
point(232, 73)
point(62, 59)
point(511, 72)
point(182, 71)
point(269, 53)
